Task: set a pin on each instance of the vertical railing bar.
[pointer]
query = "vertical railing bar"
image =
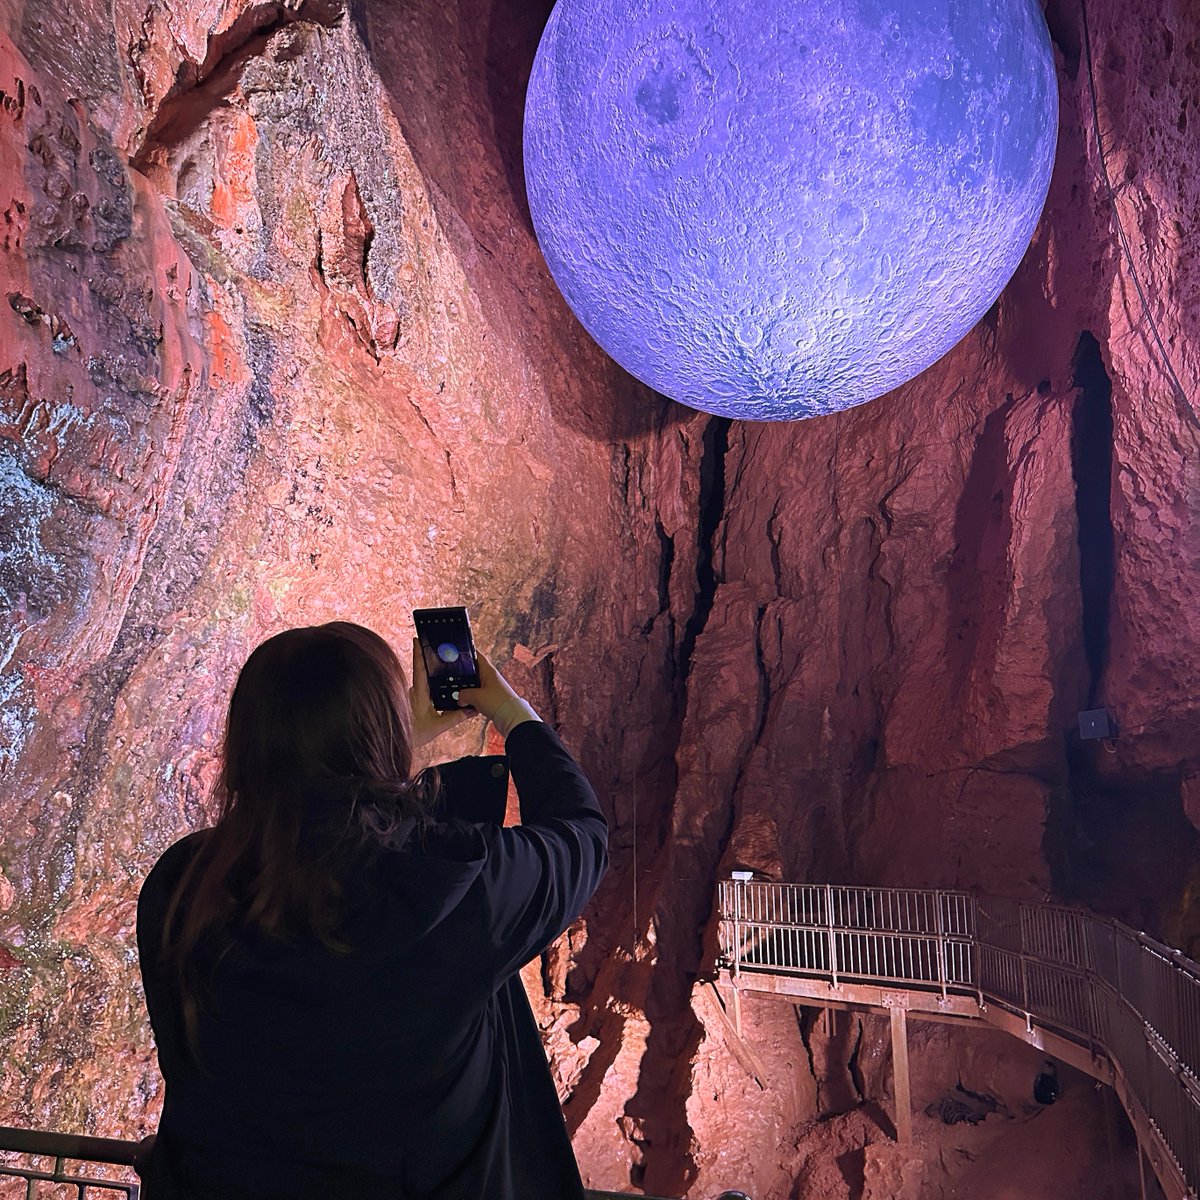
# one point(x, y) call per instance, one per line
point(833, 961)
point(737, 927)
point(941, 943)
point(1024, 968)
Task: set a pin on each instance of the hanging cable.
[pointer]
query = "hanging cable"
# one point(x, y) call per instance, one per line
point(637, 937)
point(1182, 402)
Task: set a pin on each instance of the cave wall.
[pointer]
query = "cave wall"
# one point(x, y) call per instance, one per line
point(277, 346)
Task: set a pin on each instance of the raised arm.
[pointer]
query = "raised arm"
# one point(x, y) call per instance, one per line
point(539, 876)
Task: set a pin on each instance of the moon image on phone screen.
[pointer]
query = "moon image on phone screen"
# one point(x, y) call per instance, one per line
point(449, 653)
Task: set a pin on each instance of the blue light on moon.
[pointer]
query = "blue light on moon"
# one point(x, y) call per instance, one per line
point(773, 210)
point(448, 652)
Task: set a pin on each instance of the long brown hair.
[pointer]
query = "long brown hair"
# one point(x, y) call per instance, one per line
point(316, 763)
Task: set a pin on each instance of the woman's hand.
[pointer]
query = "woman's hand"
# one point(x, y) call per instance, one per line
point(427, 722)
point(495, 698)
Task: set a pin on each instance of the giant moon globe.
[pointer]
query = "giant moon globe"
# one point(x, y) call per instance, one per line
point(780, 208)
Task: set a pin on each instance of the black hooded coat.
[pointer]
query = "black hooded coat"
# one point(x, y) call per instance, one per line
point(409, 1067)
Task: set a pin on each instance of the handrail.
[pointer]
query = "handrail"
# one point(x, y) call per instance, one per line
point(73, 1146)
point(80, 1148)
point(593, 1195)
point(64, 1148)
point(1091, 980)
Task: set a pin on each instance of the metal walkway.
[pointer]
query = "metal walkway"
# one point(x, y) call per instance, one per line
point(1089, 991)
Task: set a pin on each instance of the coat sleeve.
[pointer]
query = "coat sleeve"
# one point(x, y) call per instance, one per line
point(539, 875)
point(152, 906)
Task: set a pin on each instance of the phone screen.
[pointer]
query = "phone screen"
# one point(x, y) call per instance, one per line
point(449, 652)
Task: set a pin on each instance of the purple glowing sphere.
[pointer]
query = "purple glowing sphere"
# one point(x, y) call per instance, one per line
point(774, 209)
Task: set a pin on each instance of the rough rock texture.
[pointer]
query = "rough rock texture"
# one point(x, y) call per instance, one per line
point(1015, 1151)
point(277, 345)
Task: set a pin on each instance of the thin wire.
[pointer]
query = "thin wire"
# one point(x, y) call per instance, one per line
point(637, 937)
point(1182, 402)
point(837, 445)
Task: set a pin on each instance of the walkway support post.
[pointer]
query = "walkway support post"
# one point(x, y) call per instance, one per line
point(899, 1022)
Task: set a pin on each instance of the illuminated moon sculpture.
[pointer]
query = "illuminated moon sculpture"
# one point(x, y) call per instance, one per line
point(772, 209)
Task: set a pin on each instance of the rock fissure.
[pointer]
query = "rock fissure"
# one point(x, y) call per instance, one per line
point(1092, 464)
point(666, 561)
point(710, 510)
point(853, 1070)
point(550, 689)
point(764, 683)
point(773, 537)
point(806, 1019)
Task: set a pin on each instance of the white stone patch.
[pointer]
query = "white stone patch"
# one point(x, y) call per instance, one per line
point(25, 565)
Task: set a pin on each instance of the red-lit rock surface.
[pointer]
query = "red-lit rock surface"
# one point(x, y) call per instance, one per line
point(276, 346)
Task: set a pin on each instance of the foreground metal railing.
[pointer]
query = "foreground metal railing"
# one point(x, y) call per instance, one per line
point(1095, 982)
point(66, 1147)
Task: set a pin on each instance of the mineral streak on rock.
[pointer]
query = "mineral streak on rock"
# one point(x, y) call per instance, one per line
point(276, 346)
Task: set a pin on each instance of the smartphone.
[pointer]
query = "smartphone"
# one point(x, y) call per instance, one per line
point(449, 653)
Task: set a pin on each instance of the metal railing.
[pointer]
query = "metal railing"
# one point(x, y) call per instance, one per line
point(919, 938)
point(1093, 981)
point(64, 1148)
point(67, 1147)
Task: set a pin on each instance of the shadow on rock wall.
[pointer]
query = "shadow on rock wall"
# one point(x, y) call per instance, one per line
point(456, 76)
